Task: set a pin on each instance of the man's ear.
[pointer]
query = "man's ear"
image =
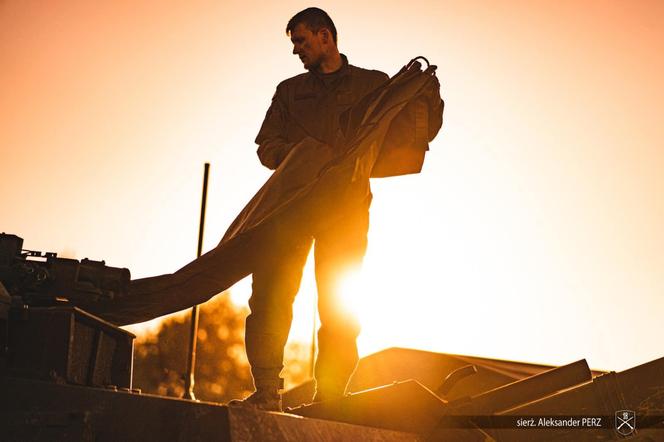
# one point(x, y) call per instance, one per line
point(325, 34)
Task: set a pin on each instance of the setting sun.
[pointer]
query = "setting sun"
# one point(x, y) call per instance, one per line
point(353, 290)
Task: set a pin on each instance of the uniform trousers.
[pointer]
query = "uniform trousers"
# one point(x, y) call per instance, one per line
point(338, 248)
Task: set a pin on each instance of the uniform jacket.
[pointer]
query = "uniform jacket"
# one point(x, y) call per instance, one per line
point(309, 105)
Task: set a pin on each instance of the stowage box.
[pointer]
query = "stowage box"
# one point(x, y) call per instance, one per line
point(68, 345)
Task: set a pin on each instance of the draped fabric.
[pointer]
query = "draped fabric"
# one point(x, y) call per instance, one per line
point(313, 187)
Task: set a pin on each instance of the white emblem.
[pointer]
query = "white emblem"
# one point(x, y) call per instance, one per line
point(625, 422)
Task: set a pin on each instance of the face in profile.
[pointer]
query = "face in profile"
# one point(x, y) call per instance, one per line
point(308, 46)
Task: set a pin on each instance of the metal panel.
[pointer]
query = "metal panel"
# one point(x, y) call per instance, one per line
point(66, 344)
point(43, 411)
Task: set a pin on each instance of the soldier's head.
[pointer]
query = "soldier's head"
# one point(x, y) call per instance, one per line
point(314, 36)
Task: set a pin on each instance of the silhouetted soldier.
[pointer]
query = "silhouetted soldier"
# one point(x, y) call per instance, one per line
point(308, 105)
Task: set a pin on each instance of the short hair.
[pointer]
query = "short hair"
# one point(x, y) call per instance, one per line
point(314, 19)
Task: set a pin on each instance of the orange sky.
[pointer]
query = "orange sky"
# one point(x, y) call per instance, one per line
point(534, 232)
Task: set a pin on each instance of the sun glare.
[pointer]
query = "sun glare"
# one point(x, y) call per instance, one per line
point(352, 288)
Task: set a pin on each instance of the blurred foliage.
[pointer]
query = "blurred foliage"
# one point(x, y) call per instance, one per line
point(297, 364)
point(222, 369)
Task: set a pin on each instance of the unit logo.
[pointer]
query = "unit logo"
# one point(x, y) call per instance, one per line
point(625, 422)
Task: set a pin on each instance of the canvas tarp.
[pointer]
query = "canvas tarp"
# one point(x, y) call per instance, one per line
point(311, 188)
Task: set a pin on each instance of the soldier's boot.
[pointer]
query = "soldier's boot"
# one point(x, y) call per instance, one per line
point(267, 397)
point(326, 391)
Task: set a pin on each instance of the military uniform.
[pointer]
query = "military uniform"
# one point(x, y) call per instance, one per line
point(309, 105)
